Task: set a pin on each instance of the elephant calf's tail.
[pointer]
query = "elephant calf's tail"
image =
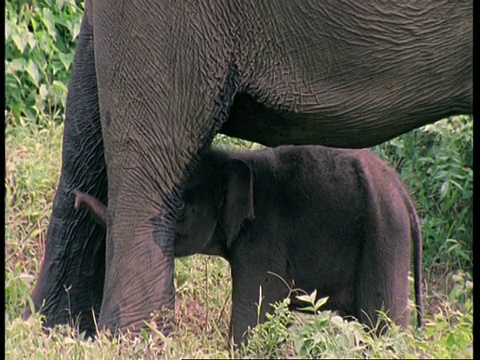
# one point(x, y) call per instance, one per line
point(93, 205)
point(417, 265)
point(416, 236)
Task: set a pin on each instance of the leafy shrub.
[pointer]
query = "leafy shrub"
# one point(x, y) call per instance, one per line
point(265, 339)
point(327, 335)
point(436, 164)
point(39, 50)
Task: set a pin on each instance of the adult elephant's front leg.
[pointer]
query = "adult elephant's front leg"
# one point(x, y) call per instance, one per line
point(161, 104)
point(146, 172)
point(139, 274)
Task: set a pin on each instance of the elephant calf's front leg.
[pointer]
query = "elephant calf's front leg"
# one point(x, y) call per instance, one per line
point(254, 289)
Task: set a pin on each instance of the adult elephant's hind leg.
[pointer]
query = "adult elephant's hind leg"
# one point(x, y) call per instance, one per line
point(70, 284)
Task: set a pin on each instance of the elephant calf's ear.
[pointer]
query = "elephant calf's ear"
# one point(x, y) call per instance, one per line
point(238, 201)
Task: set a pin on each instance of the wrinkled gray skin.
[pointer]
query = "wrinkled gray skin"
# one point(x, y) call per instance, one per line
point(153, 82)
point(339, 221)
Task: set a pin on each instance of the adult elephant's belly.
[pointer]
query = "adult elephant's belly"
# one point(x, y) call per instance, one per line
point(363, 125)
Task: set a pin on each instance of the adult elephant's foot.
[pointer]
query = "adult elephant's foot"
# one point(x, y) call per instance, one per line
point(142, 304)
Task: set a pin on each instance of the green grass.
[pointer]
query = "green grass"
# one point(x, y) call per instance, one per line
point(203, 289)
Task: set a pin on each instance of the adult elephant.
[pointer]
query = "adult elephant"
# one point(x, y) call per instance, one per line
point(153, 82)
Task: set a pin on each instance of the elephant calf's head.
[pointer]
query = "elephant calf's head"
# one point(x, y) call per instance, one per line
point(218, 198)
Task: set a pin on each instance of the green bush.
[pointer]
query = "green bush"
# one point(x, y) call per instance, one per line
point(436, 164)
point(39, 50)
point(326, 335)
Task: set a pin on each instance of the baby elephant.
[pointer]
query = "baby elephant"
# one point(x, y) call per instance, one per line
point(335, 220)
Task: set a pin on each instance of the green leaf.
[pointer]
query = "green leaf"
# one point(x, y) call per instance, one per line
point(60, 86)
point(18, 65)
point(19, 41)
point(32, 42)
point(75, 30)
point(66, 60)
point(320, 303)
point(451, 340)
point(308, 298)
point(32, 70)
point(43, 92)
point(49, 21)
